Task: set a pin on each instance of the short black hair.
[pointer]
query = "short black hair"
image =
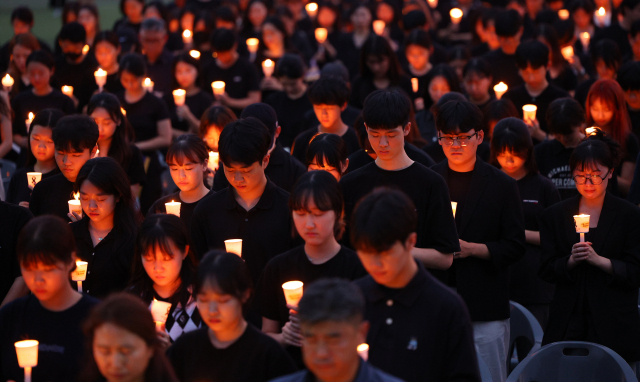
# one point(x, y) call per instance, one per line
point(329, 90)
point(479, 66)
point(22, 13)
point(564, 115)
point(107, 36)
point(47, 239)
point(511, 134)
point(244, 141)
point(597, 148)
point(334, 299)
point(323, 188)
point(75, 133)
point(73, 32)
point(496, 110)
point(153, 25)
point(386, 109)
point(587, 5)
point(608, 51)
point(418, 37)
point(227, 271)
point(225, 13)
point(460, 116)
point(381, 219)
point(290, 65)
point(134, 64)
point(187, 147)
point(532, 52)
point(43, 57)
point(629, 76)
point(508, 23)
point(222, 40)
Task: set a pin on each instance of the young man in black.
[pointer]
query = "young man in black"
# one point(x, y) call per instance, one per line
point(420, 329)
point(75, 138)
point(490, 225)
point(283, 169)
point(532, 58)
point(386, 117)
point(508, 25)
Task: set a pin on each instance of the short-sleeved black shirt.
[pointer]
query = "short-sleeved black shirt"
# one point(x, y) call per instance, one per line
point(27, 102)
point(360, 158)
point(504, 68)
point(19, 190)
point(254, 357)
point(144, 115)
point(186, 209)
point(552, 159)
point(74, 74)
point(301, 143)
point(160, 72)
point(291, 115)
point(240, 79)
point(51, 196)
point(198, 103)
point(11, 223)
point(520, 97)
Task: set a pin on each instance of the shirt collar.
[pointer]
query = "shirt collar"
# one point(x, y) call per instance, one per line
point(265, 202)
point(407, 295)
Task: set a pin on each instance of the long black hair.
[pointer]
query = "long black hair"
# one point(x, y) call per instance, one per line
point(120, 148)
point(379, 47)
point(511, 134)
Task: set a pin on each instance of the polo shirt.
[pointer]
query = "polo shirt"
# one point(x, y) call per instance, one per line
point(51, 196)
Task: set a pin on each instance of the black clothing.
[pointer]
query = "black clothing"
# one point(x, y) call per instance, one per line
point(634, 115)
point(348, 54)
point(51, 196)
point(134, 166)
point(434, 150)
point(520, 97)
point(254, 357)
point(362, 87)
point(61, 346)
point(616, 33)
point(110, 261)
point(19, 190)
point(582, 91)
point(491, 214)
point(74, 74)
point(401, 342)
point(366, 373)
point(27, 102)
point(504, 68)
point(301, 143)
point(566, 80)
point(634, 192)
point(186, 209)
point(360, 158)
point(604, 306)
point(198, 103)
point(426, 125)
point(291, 115)
point(552, 159)
point(283, 170)
point(240, 79)
point(13, 219)
point(160, 72)
point(88, 86)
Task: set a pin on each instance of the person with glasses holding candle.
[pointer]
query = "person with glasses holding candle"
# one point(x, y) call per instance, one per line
point(597, 280)
point(490, 224)
point(53, 312)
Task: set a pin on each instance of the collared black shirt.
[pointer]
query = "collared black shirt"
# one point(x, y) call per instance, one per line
point(421, 332)
point(283, 170)
point(186, 209)
point(240, 79)
point(301, 143)
point(360, 158)
point(366, 373)
point(265, 230)
point(12, 219)
point(109, 261)
point(160, 72)
point(19, 190)
point(197, 103)
point(51, 196)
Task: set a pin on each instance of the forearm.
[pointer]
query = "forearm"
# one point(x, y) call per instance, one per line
point(20, 140)
point(18, 289)
point(480, 251)
point(533, 237)
point(432, 258)
point(604, 264)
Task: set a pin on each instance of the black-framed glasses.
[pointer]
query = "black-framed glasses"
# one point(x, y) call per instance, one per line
point(463, 140)
point(594, 179)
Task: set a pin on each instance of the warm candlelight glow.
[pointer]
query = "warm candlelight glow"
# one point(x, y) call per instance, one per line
point(195, 54)
point(267, 67)
point(414, 84)
point(80, 273)
point(74, 205)
point(218, 87)
point(456, 15)
point(378, 27)
point(321, 35)
point(292, 292)
point(123, 111)
point(563, 14)
point(234, 246)
point(433, 3)
point(363, 351)
point(101, 77)
point(601, 16)
point(593, 130)
point(27, 352)
point(7, 81)
point(85, 49)
point(187, 36)
point(28, 121)
point(454, 207)
point(179, 96)
point(30, 117)
point(173, 208)
point(529, 112)
point(147, 84)
point(582, 225)
point(33, 178)
point(160, 312)
point(500, 89)
point(602, 11)
point(312, 9)
point(67, 90)
point(252, 44)
point(567, 52)
point(214, 159)
point(585, 37)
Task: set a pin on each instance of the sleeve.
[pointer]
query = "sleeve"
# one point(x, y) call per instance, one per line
point(136, 167)
point(626, 269)
point(198, 232)
point(553, 262)
point(162, 110)
point(511, 246)
point(462, 362)
point(440, 226)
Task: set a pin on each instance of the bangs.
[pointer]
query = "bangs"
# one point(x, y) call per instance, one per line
point(32, 259)
point(590, 164)
point(181, 154)
point(326, 159)
point(156, 240)
point(302, 195)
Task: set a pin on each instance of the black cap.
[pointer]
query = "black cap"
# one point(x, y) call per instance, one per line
point(263, 112)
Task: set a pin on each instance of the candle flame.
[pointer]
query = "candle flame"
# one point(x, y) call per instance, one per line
point(100, 72)
point(7, 80)
point(123, 111)
point(563, 14)
point(601, 11)
point(311, 7)
point(85, 49)
point(363, 347)
point(195, 54)
point(456, 13)
point(252, 41)
point(186, 33)
point(30, 116)
point(586, 35)
point(268, 63)
point(147, 81)
point(76, 195)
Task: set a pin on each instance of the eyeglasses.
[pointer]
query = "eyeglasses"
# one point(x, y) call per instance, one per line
point(594, 179)
point(463, 140)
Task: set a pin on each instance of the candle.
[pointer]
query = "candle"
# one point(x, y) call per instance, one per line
point(567, 53)
point(433, 3)
point(378, 27)
point(160, 312)
point(454, 207)
point(147, 84)
point(195, 54)
point(312, 9)
point(593, 130)
point(363, 351)
point(267, 67)
point(252, 45)
point(74, 205)
point(179, 96)
point(123, 111)
point(585, 37)
point(7, 82)
point(67, 90)
point(27, 352)
point(582, 225)
point(218, 87)
point(80, 273)
point(33, 178)
point(321, 35)
point(28, 121)
point(101, 78)
point(234, 246)
point(292, 292)
point(85, 49)
point(601, 16)
point(414, 84)
point(187, 37)
point(213, 164)
point(529, 112)
point(173, 208)
point(500, 89)
point(456, 15)
point(563, 14)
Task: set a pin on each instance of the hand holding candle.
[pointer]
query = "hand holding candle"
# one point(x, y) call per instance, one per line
point(563, 14)
point(74, 205)
point(601, 16)
point(33, 178)
point(414, 84)
point(585, 37)
point(160, 312)
point(567, 53)
point(234, 246)
point(179, 96)
point(27, 352)
point(321, 35)
point(67, 90)
point(173, 208)
point(101, 78)
point(7, 82)
point(582, 225)
point(529, 112)
point(500, 89)
point(267, 67)
point(80, 273)
point(593, 130)
point(214, 159)
point(218, 87)
point(363, 351)
point(292, 292)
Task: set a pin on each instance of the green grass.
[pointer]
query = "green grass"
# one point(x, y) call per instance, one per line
point(46, 26)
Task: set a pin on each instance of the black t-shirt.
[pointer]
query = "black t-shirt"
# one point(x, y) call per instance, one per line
point(240, 79)
point(74, 74)
point(134, 166)
point(291, 115)
point(566, 79)
point(520, 97)
point(88, 87)
point(160, 72)
point(360, 158)
point(504, 68)
point(582, 91)
point(19, 190)
point(301, 143)
point(12, 221)
point(144, 115)
point(427, 190)
point(459, 183)
point(362, 87)
point(254, 357)
point(27, 102)
point(61, 348)
point(186, 209)
point(348, 54)
point(198, 103)
point(635, 121)
point(109, 267)
point(51, 196)
point(426, 125)
point(552, 159)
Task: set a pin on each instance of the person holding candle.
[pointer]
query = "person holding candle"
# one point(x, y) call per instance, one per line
point(75, 139)
point(512, 152)
point(106, 48)
point(132, 15)
point(329, 19)
point(53, 313)
point(417, 51)
point(532, 58)
point(440, 80)
point(227, 348)
point(186, 117)
point(477, 82)
point(327, 152)
point(89, 18)
point(606, 58)
point(508, 27)
point(386, 117)
point(490, 225)
point(349, 51)
point(149, 117)
point(561, 72)
point(19, 48)
point(187, 159)
point(164, 269)
point(332, 324)
point(628, 79)
point(105, 236)
point(317, 209)
point(122, 343)
point(153, 38)
point(40, 159)
point(253, 17)
point(597, 281)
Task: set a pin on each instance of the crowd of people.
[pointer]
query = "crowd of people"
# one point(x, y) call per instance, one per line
point(414, 165)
